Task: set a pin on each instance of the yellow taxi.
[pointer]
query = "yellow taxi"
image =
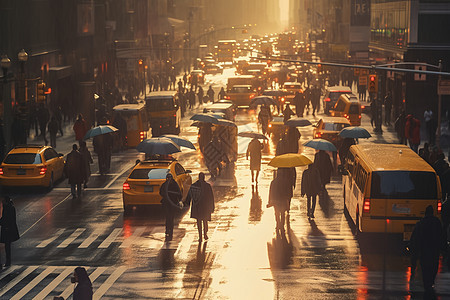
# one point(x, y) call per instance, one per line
point(328, 128)
point(32, 165)
point(276, 128)
point(143, 183)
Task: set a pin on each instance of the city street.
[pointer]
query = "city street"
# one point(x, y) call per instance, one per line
point(127, 258)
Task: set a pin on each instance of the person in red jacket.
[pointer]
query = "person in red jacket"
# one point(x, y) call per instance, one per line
point(412, 132)
point(80, 128)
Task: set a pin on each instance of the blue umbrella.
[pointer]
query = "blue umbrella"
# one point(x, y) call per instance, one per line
point(355, 132)
point(207, 118)
point(297, 122)
point(320, 144)
point(99, 130)
point(161, 146)
point(180, 141)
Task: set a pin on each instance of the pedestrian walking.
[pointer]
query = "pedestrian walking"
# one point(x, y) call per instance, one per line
point(426, 243)
point(373, 112)
point(299, 102)
point(184, 79)
point(87, 161)
point(279, 197)
point(9, 232)
point(399, 125)
point(83, 289)
point(287, 113)
point(53, 128)
point(171, 202)
point(103, 148)
point(200, 95)
point(210, 94)
point(293, 136)
point(430, 125)
point(221, 94)
point(191, 97)
point(412, 132)
point(311, 186)
point(254, 150)
point(121, 124)
point(264, 117)
point(74, 171)
point(202, 197)
point(80, 128)
point(387, 108)
point(323, 164)
point(58, 115)
point(315, 99)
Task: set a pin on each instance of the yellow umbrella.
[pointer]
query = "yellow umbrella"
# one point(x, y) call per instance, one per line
point(290, 160)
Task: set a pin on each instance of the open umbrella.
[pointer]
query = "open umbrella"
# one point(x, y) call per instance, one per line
point(99, 130)
point(161, 146)
point(206, 118)
point(290, 160)
point(180, 141)
point(253, 135)
point(355, 132)
point(224, 122)
point(320, 144)
point(260, 100)
point(297, 122)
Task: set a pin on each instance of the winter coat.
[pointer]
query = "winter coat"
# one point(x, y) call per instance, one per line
point(254, 150)
point(279, 194)
point(9, 231)
point(427, 240)
point(74, 167)
point(311, 184)
point(412, 130)
point(53, 126)
point(323, 163)
point(171, 195)
point(87, 160)
point(202, 198)
point(80, 129)
point(83, 289)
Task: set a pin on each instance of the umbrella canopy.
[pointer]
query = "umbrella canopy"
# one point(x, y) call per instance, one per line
point(224, 122)
point(297, 122)
point(253, 135)
point(290, 160)
point(355, 132)
point(320, 144)
point(180, 141)
point(260, 100)
point(276, 93)
point(161, 146)
point(99, 130)
point(206, 118)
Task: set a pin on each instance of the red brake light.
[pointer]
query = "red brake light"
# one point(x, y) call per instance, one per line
point(439, 208)
point(366, 205)
point(252, 96)
point(126, 186)
point(282, 99)
point(327, 100)
point(318, 135)
point(43, 170)
point(1, 171)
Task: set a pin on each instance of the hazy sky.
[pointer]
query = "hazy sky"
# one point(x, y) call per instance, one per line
point(284, 7)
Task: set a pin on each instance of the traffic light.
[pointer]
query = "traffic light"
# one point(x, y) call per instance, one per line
point(319, 68)
point(41, 89)
point(373, 83)
point(141, 65)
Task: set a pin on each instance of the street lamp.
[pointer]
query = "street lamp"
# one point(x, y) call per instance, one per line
point(22, 109)
point(6, 64)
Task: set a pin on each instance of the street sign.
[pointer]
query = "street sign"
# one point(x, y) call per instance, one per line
point(362, 80)
point(444, 87)
point(357, 71)
point(364, 72)
point(418, 76)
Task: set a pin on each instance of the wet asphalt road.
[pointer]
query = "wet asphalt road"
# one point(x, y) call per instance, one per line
point(127, 257)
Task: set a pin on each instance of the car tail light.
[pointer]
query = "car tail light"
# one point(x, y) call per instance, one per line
point(346, 116)
point(362, 107)
point(366, 205)
point(126, 186)
point(439, 208)
point(327, 100)
point(43, 170)
point(200, 75)
point(252, 96)
point(359, 116)
point(318, 135)
point(142, 135)
point(270, 125)
point(227, 97)
point(1, 171)
point(282, 99)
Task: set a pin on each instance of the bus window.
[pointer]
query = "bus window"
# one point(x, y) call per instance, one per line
point(160, 104)
point(403, 185)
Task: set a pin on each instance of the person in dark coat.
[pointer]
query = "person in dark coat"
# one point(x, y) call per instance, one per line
point(80, 128)
point(426, 243)
point(293, 136)
point(300, 103)
point(74, 170)
point(9, 232)
point(103, 147)
point(311, 187)
point(287, 113)
point(323, 164)
point(87, 161)
point(412, 132)
point(202, 198)
point(121, 124)
point(53, 127)
point(280, 194)
point(83, 289)
point(171, 199)
point(254, 150)
point(210, 93)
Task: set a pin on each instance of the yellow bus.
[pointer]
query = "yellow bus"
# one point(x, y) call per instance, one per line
point(387, 188)
point(226, 51)
point(136, 119)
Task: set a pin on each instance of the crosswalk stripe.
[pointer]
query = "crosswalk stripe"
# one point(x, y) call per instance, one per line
point(71, 238)
point(45, 243)
point(108, 283)
point(33, 283)
point(53, 284)
point(8, 271)
point(137, 233)
point(94, 235)
point(17, 279)
point(110, 238)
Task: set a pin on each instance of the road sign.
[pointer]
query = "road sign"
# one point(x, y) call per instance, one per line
point(418, 76)
point(362, 80)
point(357, 71)
point(444, 87)
point(364, 72)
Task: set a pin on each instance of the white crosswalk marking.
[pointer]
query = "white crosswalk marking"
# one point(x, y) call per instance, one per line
point(109, 282)
point(45, 243)
point(71, 238)
point(33, 283)
point(8, 271)
point(111, 238)
point(17, 279)
point(54, 284)
point(130, 240)
point(94, 235)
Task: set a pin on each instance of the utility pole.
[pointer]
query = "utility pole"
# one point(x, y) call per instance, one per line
point(438, 131)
